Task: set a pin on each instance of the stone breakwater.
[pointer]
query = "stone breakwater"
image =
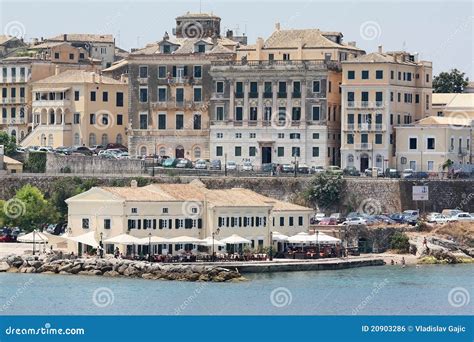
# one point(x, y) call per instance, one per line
point(117, 268)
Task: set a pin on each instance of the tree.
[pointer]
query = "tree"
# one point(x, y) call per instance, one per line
point(325, 189)
point(450, 82)
point(8, 142)
point(28, 209)
point(400, 242)
point(62, 190)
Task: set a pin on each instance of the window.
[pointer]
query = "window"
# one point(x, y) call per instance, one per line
point(219, 135)
point(286, 56)
point(201, 48)
point(161, 121)
point(238, 113)
point(76, 95)
point(56, 55)
point(71, 56)
point(295, 151)
point(282, 89)
point(315, 136)
point(219, 151)
point(143, 120)
point(430, 165)
point(417, 98)
point(119, 139)
point(350, 74)
point(143, 95)
point(430, 143)
point(316, 86)
point(197, 71)
point(365, 74)
point(85, 223)
point(179, 94)
point(119, 99)
point(197, 94)
point(280, 151)
point(252, 135)
point(197, 121)
point(162, 71)
point(219, 113)
point(238, 135)
point(296, 114)
point(412, 143)
point(105, 139)
point(92, 119)
point(378, 139)
point(253, 90)
point(93, 96)
point(179, 121)
point(295, 135)
point(315, 151)
point(238, 151)
point(119, 119)
point(143, 71)
point(316, 113)
point(107, 224)
point(350, 139)
point(252, 151)
point(219, 87)
point(162, 94)
point(253, 114)
point(282, 221)
point(379, 74)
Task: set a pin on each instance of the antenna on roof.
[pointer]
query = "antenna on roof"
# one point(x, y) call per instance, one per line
point(200, 6)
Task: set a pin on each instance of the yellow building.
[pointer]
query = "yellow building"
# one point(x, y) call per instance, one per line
point(454, 105)
point(76, 108)
point(12, 165)
point(380, 90)
point(427, 144)
point(174, 210)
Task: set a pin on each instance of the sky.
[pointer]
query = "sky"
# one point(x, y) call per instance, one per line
point(439, 31)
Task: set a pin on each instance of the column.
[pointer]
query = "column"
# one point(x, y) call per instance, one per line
point(303, 103)
point(288, 101)
point(274, 101)
point(246, 103)
point(231, 114)
point(260, 104)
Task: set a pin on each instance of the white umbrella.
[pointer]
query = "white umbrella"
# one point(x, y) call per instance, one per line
point(235, 239)
point(86, 239)
point(125, 239)
point(276, 236)
point(324, 238)
point(186, 240)
point(153, 239)
point(208, 242)
point(300, 238)
point(34, 236)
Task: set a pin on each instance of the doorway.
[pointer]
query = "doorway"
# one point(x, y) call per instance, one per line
point(364, 162)
point(179, 152)
point(266, 155)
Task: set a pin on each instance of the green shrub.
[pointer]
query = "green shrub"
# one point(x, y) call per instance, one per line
point(36, 162)
point(399, 242)
point(325, 190)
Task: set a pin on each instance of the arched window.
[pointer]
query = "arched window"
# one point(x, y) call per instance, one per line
point(22, 135)
point(50, 140)
point(118, 140)
point(43, 140)
point(143, 151)
point(92, 140)
point(197, 152)
point(350, 159)
point(162, 151)
point(105, 139)
point(14, 134)
point(77, 140)
point(378, 160)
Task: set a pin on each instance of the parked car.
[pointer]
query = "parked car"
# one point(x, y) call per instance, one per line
point(411, 214)
point(7, 238)
point(338, 216)
point(20, 149)
point(247, 166)
point(328, 221)
point(450, 212)
point(354, 221)
point(110, 146)
point(351, 171)
point(200, 164)
point(397, 217)
point(418, 175)
point(407, 173)
point(287, 168)
point(439, 218)
point(184, 163)
point(374, 171)
point(231, 165)
point(47, 149)
point(317, 169)
point(392, 173)
point(268, 167)
point(63, 150)
point(33, 148)
point(303, 168)
point(317, 218)
point(170, 162)
point(334, 170)
point(96, 148)
point(82, 150)
point(215, 165)
point(461, 217)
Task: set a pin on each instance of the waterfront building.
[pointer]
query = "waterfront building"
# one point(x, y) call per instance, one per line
point(98, 46)
point(280, 101)
point(170, 88)
point(453, 105)
point(381, 90)
point(173, 210)
point(9, 44)
point(76, 108)
point(427, 144)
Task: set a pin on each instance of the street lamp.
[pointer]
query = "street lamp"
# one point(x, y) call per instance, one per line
point(295, 166)
point(213, 235)
point(149, 247)
point(317, 244)
point(101, 248)
point(271, 246)
point(225, 164)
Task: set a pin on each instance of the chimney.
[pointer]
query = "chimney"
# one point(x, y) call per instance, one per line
point(352, 43)
point(65, 37)
point(56, 70)
point(380, 49)
point(93, 77)
point(277, 26)
point(134, 184)
point(229, 34)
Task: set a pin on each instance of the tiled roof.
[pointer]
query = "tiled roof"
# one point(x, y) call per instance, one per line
point(380, 57)
point(197, 15)
point(11, 161)
point(5, 38)
point(464, 100)
point(77, 76)
point(444, 120)
point(187, 46)
point(81, 37)
point(117, 65)
point(138, 194)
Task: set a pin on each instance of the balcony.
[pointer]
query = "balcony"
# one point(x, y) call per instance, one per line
point(239, 95)
point(267, 95)
point(253, 95)
point(296, 94)
point(363, 146)
point(365, 104)
point(52, 103)
point(282, 95)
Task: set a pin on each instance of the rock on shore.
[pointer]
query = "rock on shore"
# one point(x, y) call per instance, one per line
point(440, 250)
point(54, 264)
